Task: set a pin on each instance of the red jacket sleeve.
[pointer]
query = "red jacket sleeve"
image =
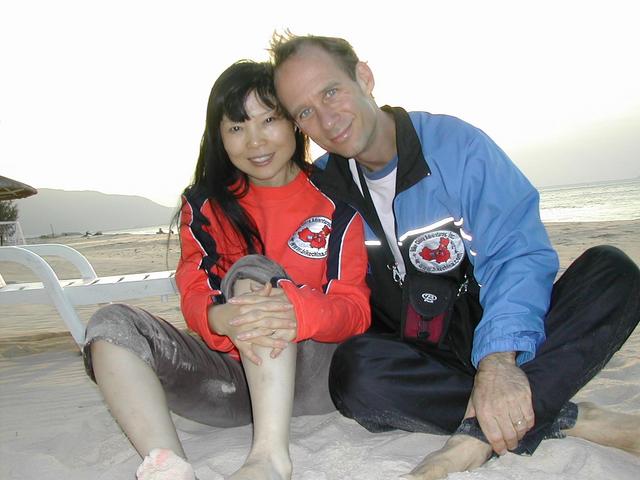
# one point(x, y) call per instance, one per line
point(198, 274)
point(342, 309)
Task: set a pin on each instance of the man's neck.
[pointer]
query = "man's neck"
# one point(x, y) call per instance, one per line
point(383, 149)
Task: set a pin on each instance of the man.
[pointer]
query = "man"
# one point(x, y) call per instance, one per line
point(470, 336)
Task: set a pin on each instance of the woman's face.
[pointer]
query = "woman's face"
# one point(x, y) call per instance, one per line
point(261, 146)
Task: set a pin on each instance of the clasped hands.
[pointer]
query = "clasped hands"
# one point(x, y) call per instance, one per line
point(501, 401)
point(262, 316)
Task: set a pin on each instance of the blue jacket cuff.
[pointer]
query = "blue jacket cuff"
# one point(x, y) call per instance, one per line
point(524, 343)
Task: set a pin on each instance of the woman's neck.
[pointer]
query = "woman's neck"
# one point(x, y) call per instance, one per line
point(289, 175)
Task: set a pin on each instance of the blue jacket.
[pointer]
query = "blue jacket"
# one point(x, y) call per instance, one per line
point(450, 170)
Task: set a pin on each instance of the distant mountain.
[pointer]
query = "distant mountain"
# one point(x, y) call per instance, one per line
point(81, 211)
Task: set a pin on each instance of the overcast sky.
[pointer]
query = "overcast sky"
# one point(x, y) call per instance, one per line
point(111, 95)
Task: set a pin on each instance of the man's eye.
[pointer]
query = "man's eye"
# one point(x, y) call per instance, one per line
point(331, 92)
point(304, 113)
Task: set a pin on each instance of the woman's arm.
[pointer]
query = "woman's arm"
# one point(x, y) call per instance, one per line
point(341, 309)
point(198, 275)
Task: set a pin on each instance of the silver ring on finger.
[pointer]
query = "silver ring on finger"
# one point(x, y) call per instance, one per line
point(519, 423)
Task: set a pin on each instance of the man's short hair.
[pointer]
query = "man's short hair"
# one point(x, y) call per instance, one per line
point(284, 45)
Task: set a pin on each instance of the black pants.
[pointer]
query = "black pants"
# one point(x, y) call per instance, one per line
point(384, 383)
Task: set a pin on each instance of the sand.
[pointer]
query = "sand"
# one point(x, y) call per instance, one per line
point(54, 424)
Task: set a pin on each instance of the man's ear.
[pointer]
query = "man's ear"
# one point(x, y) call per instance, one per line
point(364, 77)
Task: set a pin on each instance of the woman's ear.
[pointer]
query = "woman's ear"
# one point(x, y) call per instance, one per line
point(364, 77)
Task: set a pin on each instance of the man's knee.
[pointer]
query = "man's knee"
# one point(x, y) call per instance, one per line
point(610, 259)
point(351, 375)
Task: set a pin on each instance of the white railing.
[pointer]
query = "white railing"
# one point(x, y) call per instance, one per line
point(11, 234)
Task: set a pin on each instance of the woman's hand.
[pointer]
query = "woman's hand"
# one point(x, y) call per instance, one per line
point(267, 314)
point(262, 317)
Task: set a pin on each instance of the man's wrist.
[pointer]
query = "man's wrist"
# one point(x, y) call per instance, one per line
point(498, 357)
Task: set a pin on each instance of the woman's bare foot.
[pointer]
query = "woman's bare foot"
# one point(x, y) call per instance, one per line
point(264, 467)
point(163, 464)
point(618, 430)
point(460, 453)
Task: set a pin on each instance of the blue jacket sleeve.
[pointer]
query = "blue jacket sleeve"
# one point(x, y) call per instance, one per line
point(513, 259)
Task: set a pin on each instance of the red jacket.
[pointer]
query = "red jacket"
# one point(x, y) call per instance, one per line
point(319, 242)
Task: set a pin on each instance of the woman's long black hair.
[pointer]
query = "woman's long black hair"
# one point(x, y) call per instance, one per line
point(215, 176)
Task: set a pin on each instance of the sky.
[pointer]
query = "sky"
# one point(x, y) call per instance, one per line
point(111, 95)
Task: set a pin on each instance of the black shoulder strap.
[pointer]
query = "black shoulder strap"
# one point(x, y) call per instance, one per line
point(372, 218)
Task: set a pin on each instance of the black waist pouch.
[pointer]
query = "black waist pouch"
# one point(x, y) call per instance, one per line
point(440, 296)
point(428, 301)
point(441, 313)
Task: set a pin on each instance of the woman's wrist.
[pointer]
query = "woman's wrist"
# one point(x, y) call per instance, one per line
point(219, 315)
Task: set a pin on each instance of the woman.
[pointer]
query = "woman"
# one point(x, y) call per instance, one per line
point(267, 330)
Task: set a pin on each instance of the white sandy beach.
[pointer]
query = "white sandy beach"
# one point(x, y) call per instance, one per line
point(54, 425)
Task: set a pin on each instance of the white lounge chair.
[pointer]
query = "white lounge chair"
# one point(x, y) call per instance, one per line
point(87, 290)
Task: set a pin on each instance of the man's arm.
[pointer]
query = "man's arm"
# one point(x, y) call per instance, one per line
point(515, 266)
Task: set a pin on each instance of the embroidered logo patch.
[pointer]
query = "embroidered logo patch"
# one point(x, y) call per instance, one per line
point(436, 252)
point(311, 238)
point(429, 297)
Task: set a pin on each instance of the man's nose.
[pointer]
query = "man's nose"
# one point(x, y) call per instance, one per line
point(328, 117)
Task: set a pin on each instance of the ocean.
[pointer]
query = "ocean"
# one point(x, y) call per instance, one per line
point(594, 202)
point(589, 202)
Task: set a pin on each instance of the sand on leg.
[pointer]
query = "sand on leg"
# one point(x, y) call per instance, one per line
point(135, 398)
point(271, 386)
point(137, 401)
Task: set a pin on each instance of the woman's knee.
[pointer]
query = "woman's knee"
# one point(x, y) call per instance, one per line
point(119, 325)
point(113, 314)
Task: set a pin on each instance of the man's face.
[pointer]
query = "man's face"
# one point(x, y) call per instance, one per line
point(338, 113)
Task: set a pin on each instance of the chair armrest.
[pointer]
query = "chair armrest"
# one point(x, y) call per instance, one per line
point(51, 282)
point(70, 254)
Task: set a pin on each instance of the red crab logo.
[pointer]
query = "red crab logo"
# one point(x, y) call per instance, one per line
point(312, 237)
point(436, 251)
point(440, 254)
point(315, 239)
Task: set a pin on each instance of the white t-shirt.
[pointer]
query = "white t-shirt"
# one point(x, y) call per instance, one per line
point(382, 187)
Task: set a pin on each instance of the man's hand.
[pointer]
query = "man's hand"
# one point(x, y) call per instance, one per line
point(501, 401)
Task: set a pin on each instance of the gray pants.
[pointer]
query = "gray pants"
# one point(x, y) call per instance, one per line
point(201, 384)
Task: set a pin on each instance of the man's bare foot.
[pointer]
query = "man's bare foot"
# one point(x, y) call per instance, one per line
point(460, 453)
point(605, 427)
point(264, 467)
